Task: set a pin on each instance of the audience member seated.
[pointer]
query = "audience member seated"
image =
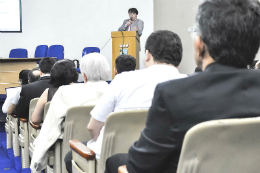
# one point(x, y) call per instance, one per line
point(35, 89)
point(135, 89)
point(124, 63)
point(63, 72)
point(95, 70)
point(227, 39)
point(23, 80)
point(33, 76)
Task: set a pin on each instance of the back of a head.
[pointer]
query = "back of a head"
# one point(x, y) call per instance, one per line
point(23, 77)
point(63, 72)
point(34, 75)
point(230, 29)
point(95, 67)
point(125, 63)
point(46, 64)
point(165, 47)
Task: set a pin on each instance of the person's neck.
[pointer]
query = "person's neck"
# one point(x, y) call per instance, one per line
point(207, 61)
point(157, 63)
point(45, 74)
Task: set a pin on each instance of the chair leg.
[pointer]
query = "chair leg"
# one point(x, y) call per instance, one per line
point(16, 146)
point(57, 157)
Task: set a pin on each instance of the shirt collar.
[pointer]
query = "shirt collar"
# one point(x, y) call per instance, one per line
point(215, 67)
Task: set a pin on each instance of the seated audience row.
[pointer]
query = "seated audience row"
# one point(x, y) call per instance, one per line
point(35, 89)
point(226, 39)
point(224, 45)
point(63, 72)
point(95, 70)
point(135, 89)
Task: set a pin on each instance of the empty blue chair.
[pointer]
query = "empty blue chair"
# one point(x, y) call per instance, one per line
point(18, 53)
point(88, 50)
point(56, 51)
point(41, 51)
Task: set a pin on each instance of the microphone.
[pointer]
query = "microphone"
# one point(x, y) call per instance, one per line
point(123, 43)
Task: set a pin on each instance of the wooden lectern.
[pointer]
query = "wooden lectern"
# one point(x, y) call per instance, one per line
point(10, 69)
point(127, 40)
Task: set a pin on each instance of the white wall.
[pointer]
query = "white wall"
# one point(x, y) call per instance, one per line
point(178, 16)
point(75, 25)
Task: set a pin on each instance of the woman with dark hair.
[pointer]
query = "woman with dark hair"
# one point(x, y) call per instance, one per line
point(63, 72)
point(23, 80)
point(23, 77)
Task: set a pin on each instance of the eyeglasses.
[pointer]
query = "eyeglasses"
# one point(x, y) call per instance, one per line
point(193, 32)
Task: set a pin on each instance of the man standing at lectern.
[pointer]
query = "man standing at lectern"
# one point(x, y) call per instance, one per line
point(132, 24)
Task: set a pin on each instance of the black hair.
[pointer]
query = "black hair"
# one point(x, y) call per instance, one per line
point(133, 10)
point(63, 72)
point(23, 77)
point(125, 63)
point(230, 30)
point(165, 47)
point(32, 77)
point(46, 64)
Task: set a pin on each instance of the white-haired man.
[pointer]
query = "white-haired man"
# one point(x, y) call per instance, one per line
point(95, 70)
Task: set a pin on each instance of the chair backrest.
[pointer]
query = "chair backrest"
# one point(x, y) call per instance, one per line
point(122, 129)
point(75, 127)
point(18, 53)
point(46, 108)
point(222, 146)
point(88, 50)
point(41, 51)
point(32, 106)
point(56, 51)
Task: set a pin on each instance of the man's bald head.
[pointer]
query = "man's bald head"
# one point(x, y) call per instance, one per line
point(34, 75)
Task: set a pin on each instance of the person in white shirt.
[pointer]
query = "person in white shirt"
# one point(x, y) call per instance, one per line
point(33, 76)
point(23, 80)
point(95, 70)
point(135, 89)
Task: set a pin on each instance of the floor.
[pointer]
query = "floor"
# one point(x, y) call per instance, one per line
point(9, 163)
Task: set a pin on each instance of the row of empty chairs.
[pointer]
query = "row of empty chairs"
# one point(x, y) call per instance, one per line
point(43, 51)
point(40, 52)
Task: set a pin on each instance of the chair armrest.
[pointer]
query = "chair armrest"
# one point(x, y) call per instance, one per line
point(35, 126)
point(13, 116)
point(82, 150)
point(25, 120)
point(122, 169)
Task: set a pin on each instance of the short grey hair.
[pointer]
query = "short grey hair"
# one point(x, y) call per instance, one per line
point(95, 67)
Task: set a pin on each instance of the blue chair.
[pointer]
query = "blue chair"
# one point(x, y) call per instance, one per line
point(56, 51)
point(18, 53)
point(88, 50)
point(41, 51)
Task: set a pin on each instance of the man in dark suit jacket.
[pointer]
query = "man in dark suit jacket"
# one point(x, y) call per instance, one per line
point(132, 24)
point(226, 40)
point(35, 89)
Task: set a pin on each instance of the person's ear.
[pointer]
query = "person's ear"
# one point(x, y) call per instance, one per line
point(41, 73)
point(85, 78)
point(147, 56)
point(115, 71)
point(199, 46)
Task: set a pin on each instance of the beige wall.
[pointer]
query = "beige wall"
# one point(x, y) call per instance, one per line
point(178, 16)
